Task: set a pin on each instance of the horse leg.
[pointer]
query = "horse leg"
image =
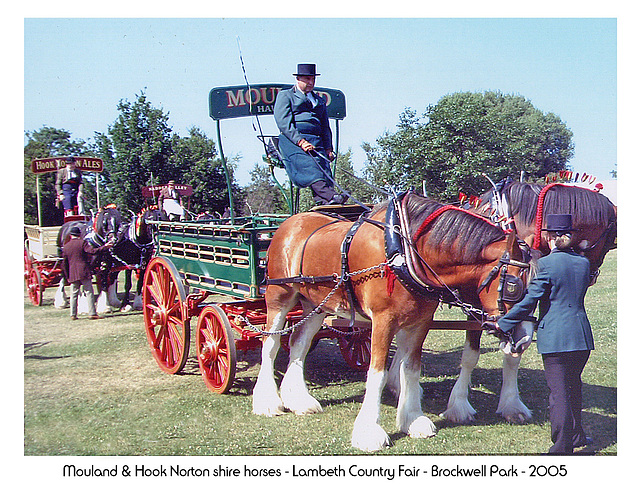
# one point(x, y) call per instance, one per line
point(137, 298)
point(459, 409)
point(126, 306)
point(61, 300)
point(112, 292)
point(510, 406)
point(410, 418)
point(293, 389)
point(367, 434)
point(266, 400)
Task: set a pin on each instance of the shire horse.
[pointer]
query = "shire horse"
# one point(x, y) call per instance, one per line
point(526, 206)
point(449, 247)
point(133, 251)
point(105, 225)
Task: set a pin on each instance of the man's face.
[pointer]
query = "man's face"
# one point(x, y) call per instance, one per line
point(306, 82)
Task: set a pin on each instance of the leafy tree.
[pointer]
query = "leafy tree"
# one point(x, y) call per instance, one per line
point(262, 194)
point(465, 135)
point(194, 162)
point(136, 151)
point(43, 143)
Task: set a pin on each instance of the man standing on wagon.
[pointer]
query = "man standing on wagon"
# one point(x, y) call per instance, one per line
point(76, 265)
point(305, 137)
point(69, 186)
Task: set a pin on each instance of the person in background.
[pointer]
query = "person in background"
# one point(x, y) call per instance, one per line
point(564, 339)
point(69, 186)
point(76, 265)
point(170, 201)
point(305, 137)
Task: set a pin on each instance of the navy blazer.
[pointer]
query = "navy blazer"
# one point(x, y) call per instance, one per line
point(298, 119)
point(560, 287)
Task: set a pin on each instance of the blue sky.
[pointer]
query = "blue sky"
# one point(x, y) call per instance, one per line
point(77, 70)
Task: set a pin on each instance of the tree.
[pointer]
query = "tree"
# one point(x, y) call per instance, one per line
point(43, 143)
point(194, 162)
point(262, 194)
point(136, 152)
point(465, 135)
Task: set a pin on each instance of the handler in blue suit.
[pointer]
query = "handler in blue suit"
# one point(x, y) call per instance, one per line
point(301, 117)
point(565, 339)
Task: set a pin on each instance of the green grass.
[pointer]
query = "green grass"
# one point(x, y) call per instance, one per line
point(93, 388)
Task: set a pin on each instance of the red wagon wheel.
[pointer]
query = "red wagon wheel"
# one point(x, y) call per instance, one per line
point(33, 279)
point(356, 349)
point(216, 349)
point(166, 317)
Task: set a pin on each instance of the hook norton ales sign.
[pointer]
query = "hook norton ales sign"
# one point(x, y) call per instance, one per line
point(258, 99)
point(47, 165)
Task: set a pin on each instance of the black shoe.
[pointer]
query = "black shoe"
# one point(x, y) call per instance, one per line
point(586, 441)
point(339, 199)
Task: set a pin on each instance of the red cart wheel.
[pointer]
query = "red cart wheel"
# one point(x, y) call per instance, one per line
point(33, 280)
point(166, 317)
point(356, 349)
point(216, 349)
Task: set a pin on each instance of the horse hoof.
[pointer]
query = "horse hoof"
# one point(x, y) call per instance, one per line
point(369, 439)
point(422, 427)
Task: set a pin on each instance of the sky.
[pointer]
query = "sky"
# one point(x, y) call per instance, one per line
point(76, 71)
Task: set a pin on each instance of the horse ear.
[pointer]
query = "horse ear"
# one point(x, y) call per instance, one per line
point(513, 247)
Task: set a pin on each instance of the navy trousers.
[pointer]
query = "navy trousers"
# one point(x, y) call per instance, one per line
point(563, 372)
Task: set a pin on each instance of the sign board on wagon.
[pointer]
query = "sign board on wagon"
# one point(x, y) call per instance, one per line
point(47, 165)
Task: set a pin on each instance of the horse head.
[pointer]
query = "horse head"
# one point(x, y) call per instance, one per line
point(142, 229)
point(594, 216)
point(107, 224)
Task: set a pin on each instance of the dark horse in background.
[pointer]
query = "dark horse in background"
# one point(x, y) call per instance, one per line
point(133, 251)
point(595, 221)
point(103, 227)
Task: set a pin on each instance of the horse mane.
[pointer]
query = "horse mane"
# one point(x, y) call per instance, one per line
point(459, 232)
point(586, 206)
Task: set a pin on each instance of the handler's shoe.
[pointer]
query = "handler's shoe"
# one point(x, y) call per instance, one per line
point(95, 317)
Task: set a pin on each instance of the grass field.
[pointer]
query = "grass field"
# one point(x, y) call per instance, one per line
point(93, 388)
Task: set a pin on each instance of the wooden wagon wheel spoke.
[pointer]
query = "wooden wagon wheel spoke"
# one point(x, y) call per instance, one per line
point(166, 315)
point(356, 349)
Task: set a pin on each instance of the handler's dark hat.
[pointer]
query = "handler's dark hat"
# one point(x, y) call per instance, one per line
point(559, 223)
point(306, 69)
point(75, 231)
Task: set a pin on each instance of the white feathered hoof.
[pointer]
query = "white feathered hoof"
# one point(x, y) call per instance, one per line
point(126, 308)
point(369, 438)
point(102, 305)
point(266, 401)
point(300, 403)
point(514, 411)
point(137, 302)
point(60, 301)
point(422, 427)
point(460, 412)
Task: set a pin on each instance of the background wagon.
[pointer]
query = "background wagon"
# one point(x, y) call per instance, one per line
point(42, 261)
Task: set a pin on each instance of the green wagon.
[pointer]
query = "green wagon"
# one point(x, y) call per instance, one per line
point(225, 257)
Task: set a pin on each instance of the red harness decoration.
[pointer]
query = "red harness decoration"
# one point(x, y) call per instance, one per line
point(538, 236)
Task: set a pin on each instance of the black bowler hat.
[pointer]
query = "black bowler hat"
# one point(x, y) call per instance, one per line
point(559, 223)
point(75, 231)
point(306, 69)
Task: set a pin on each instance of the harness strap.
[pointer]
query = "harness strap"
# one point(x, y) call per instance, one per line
point(301, 279)
point(344, 251)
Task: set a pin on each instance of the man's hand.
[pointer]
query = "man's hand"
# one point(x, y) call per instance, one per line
point(305, 145)
point(330, 155)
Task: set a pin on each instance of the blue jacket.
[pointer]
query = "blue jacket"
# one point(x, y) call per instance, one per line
point(297, 118)
point(560, 287)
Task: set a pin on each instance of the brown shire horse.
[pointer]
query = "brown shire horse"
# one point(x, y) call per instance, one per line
point(595, 220)
point(460, 248)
